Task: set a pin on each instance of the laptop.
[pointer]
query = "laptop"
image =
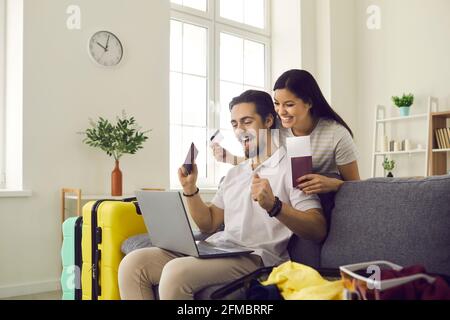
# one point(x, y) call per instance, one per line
point(169, 228)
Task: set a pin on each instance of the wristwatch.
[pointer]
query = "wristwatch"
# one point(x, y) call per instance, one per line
point(276, 208)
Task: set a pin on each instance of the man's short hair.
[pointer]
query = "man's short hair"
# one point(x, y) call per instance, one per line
point(262, 100)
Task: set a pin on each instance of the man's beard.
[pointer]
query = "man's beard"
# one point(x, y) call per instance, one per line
point(256, 146)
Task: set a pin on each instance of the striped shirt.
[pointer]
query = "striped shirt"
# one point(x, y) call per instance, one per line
point(332, 146)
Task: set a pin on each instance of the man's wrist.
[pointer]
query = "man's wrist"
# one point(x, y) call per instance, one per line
point(190, 190)
point(277, 207)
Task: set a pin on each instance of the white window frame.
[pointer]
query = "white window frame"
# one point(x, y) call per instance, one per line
point(2, 94)
point(245, 27)
point(13, 103)
point(209, 14)
point(220, 28)
point(216, 25)
point(208, 25)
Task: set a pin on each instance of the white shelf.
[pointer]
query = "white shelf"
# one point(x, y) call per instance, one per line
point(98, 197)
point(4, 193)
point(399, 152)
point(416, 116)
point(384, 124)
point(441, 150)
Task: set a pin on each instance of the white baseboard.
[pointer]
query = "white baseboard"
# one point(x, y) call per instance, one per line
point(29, 289)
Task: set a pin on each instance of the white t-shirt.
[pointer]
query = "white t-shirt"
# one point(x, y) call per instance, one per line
point(246, 223)
point(331, 146)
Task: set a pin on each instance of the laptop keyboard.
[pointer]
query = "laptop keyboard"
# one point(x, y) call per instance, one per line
point(210, 250)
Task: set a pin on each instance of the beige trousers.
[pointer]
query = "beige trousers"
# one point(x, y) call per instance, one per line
point(178, 277)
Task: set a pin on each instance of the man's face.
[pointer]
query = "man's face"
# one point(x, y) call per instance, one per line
point(247, 124)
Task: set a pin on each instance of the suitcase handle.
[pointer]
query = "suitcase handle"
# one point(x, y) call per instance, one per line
point(96, 271)
point(136, 204)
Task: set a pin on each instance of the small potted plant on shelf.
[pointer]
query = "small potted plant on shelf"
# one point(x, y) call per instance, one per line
point(389, 166)
point(404, 103)
point(123, 137)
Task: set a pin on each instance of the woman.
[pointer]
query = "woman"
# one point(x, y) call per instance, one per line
point(304, 111)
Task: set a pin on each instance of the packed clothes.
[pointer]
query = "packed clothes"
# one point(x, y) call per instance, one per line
point(299, 282)
point(416, 290)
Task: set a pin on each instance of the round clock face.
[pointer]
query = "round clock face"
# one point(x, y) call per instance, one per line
point(105, 48)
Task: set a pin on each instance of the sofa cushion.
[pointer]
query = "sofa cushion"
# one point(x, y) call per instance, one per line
point(406, 221)
point(131, 244)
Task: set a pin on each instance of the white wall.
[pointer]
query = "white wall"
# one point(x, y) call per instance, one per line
point(319, 36)
point(63, 88)
point(323, 47)
point(286, 35)
point(342, 60)
point(308, 35)
point(409, 54)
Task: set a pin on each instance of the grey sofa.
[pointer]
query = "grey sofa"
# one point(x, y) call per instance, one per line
point(405, 221)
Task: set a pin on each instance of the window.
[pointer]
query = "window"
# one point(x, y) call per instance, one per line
point(201, 5)
point(2, 92)
point(11, 83)
point(219, 48)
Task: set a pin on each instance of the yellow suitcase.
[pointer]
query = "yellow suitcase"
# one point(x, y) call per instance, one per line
point(106, 224)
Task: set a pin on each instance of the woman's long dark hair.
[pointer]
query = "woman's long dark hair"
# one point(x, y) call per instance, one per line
point(304, 86)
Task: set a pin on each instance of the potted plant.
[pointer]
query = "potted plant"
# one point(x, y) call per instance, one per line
point(123, 137)
point(389, 166)
point(404, 103)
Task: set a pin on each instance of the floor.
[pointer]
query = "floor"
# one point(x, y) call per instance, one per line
point(41, 296)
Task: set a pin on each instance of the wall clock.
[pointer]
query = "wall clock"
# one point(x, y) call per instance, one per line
point(105, 49)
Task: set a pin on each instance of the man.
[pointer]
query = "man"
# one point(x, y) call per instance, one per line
point(257, 204)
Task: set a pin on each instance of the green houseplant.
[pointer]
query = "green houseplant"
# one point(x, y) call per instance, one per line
point(404, 103)
point(389, 166)
point(116, 139)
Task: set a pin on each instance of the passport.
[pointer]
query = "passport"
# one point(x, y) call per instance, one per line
point(300, 156)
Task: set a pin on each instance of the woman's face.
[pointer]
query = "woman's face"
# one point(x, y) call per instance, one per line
point(292, 110)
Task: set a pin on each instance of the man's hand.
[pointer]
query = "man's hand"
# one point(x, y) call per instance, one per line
point(262, 193)
point(317, 184)
point(188, 182)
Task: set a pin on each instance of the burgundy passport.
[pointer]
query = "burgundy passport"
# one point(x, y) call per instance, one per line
point(299, 151)
point(301, 166)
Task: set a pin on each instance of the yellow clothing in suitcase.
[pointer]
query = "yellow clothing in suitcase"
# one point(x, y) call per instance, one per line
point(299, 282)
point(106, 224)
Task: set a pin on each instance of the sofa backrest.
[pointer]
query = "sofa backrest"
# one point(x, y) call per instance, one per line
point(405, 221)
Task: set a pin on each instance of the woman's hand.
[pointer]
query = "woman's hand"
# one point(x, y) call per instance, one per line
point(188, 182)
point(317, 184)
